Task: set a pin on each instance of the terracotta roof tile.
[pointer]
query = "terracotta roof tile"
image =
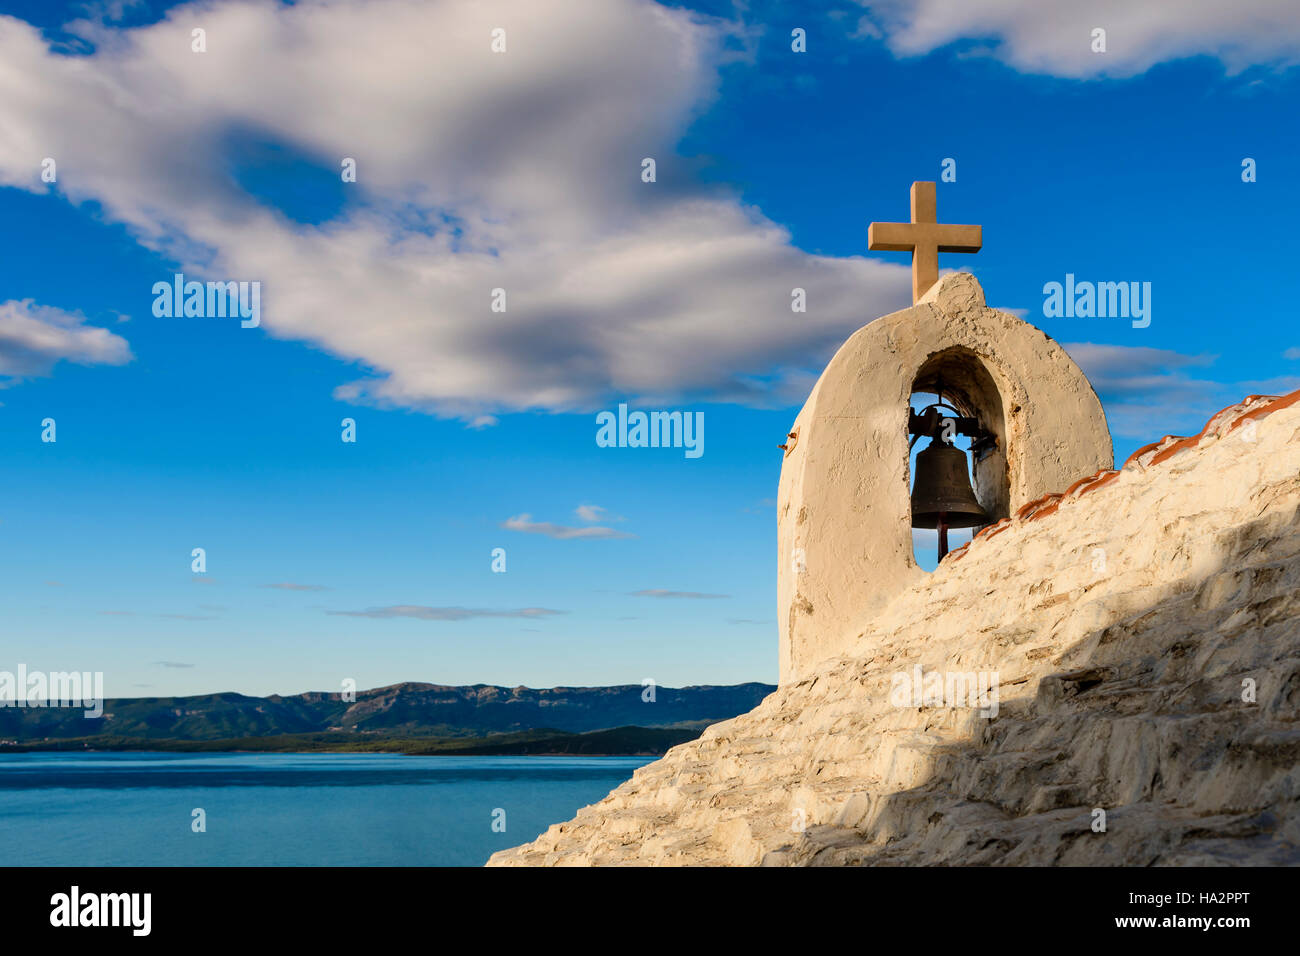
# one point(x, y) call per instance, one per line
point(1103, 477)
point(1037, 506)
point(995, 528)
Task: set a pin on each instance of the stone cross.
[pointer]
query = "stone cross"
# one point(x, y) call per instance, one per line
point(924, 237)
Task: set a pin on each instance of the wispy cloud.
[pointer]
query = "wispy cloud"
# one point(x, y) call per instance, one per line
point(1148, 391)
point(1056, 38)
point(595, 513)
point(173, 664)
point(661, 593)
point(1130, 367)
point(1277, 385)
point(634, 291)
point(173, 617)
point(288, 586)
point(425, 613)
point(526, 524)
point(33, 339)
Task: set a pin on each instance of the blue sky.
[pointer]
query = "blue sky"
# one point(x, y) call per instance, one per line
point(372, 561)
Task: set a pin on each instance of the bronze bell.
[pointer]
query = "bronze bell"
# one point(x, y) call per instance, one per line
point(942, 494)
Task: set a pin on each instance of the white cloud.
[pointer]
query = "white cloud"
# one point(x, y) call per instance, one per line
point(33, 338)
point(1056, 38)
point(1292, 353)
point(1277, 385)
point(424, 613)
point(591, 513)
point(527, 525)
point(1148, 392)
point(661, 593)
point(476, 171)
point(1127, 368)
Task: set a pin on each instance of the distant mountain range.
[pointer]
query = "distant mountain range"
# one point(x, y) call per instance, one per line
point(413, 717)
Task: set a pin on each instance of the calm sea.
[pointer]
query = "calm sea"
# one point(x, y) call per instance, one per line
point(136, 809)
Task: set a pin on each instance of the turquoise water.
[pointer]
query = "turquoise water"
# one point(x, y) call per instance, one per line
point(136, 809)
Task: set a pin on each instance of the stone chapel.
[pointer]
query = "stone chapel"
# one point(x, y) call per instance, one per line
point(844, 525)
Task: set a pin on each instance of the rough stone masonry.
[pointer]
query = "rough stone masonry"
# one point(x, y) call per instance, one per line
point(1129, 621)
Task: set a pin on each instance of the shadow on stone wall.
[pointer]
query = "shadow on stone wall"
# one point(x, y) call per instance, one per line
point(1147, 724)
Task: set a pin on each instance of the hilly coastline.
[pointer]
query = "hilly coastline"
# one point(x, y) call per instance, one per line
point(406, 718)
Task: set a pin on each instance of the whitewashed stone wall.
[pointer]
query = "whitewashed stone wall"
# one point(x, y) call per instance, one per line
point(1124, 626)
point(844, 537)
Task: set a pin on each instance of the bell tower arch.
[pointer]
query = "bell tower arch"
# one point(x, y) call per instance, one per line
point(966, 397)
point(843, 505)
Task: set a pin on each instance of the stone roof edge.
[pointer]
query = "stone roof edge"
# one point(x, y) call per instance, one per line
point(1219, 424)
